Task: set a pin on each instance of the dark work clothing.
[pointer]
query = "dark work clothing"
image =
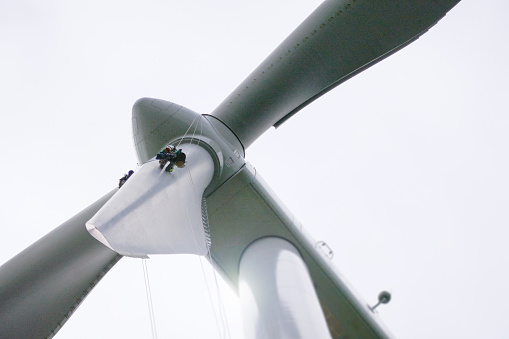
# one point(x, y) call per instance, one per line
point(166, 156)
point(180, 156)
point(122, 180)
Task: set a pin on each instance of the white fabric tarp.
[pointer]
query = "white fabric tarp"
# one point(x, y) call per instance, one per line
point(157, 212)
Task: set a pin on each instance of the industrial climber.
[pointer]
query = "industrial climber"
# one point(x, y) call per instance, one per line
point(122, 180)
point(173, 156)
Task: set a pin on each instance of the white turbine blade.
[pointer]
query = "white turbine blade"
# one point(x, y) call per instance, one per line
point(157, 212)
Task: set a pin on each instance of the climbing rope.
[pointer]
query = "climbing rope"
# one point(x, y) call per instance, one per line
point(221, 332)
point(149, 299)
point(222, 311)
point(221, 321)
point(185, 134)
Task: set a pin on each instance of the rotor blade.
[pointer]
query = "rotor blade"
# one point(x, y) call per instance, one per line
point(42, 286)
point(337, 41)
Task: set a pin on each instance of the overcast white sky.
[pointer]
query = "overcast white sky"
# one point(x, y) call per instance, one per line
point(410, 189)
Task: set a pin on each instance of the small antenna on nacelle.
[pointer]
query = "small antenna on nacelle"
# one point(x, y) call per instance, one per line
point(383, 298)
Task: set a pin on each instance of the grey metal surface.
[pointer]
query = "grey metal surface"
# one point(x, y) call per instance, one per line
point(42, 286)
point(338, 40)
point(243, 210)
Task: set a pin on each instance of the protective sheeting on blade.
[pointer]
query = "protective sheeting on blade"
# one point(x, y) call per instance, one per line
point(338, 40)
point(158, 212)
